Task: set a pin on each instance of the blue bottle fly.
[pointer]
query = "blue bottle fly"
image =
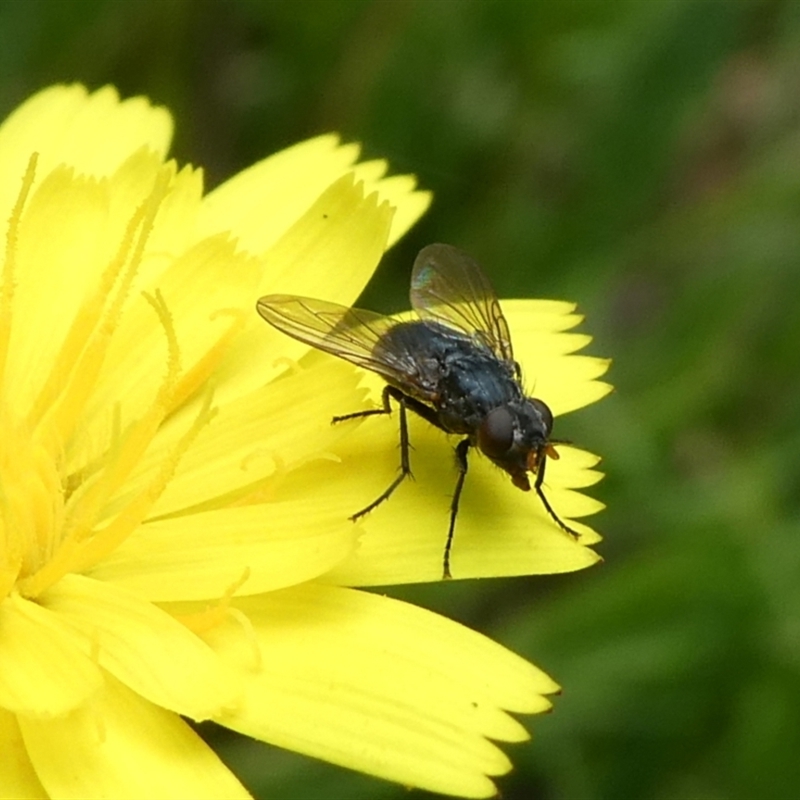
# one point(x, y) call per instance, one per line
point(454, 367)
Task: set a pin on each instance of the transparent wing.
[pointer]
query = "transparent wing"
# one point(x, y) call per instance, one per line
point(449, 286)
point(349, 333)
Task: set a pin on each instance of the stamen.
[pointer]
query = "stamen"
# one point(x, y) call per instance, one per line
point(84, 547)
point(82, 475)
point(215, 615)
point(9, 266)
point(250, 634)
point(174, 353)
point(130, 450)
point(83, 351)
point(136, 440)
point(197, 375)
point(103, 542)
point(211, 616)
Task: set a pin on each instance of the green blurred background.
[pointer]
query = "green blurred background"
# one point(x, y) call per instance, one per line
point(640, 158)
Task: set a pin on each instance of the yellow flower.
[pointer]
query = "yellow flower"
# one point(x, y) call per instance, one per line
point(173, 499)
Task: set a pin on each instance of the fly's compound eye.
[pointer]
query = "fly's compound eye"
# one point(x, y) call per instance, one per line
point(545, 413)
point(496, 434)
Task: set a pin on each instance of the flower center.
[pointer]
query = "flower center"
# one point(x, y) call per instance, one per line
point(52, 522)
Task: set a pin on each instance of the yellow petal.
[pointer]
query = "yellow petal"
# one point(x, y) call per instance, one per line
point(121, 746)
point(18, 780)
point(71, 220)
point(144, 647)
point(175, 228)
point(584, 473)
point(59, 230)
point(66, 125)
point(400, 190)
point(565, 382)
point(262, 202)
point(380, 686)
point(526, 316)
point(273, 429)
point(200, 556)
point(43, 671)
point(331, 252)
point(568, 382)
point(209, 277)
point(332, 247)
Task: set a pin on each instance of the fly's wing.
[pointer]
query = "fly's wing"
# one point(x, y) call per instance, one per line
point(449, 286)
point(349, 333)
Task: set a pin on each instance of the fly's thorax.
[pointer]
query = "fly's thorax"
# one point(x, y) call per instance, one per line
point(473, 381)
point(454, 373)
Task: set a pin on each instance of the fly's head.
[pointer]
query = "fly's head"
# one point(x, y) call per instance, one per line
point(516, 438)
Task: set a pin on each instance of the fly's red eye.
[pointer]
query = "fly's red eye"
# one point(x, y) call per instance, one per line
point(496, 434)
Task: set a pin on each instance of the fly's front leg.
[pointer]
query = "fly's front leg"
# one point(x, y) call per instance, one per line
point(462, 448)
point(538, 486)
point(405, 464)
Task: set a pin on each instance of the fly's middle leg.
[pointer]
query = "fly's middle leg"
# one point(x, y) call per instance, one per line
point(405, 463)
point(462, 448)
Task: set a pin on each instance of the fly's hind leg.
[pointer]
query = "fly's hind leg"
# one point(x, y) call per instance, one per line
point(405, 464)
point(388, 392)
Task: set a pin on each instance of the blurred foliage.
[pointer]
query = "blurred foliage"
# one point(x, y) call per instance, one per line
point(641, 158)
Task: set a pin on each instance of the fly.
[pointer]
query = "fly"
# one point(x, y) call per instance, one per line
point(453, 366)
